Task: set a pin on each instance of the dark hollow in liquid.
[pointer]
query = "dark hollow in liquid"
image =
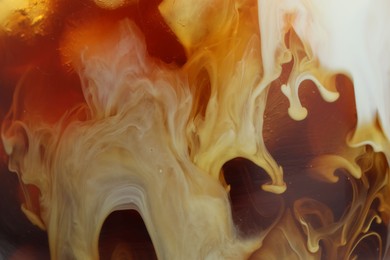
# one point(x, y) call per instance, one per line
point(126, 228)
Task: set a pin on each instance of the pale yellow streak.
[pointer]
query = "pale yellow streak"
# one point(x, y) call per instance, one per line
point(9, 6)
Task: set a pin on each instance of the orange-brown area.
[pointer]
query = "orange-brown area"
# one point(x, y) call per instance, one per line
point(48, 86)
point(38, 68)
point(323, 131)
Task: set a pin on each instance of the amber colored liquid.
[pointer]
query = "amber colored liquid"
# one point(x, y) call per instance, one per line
point(52, 87)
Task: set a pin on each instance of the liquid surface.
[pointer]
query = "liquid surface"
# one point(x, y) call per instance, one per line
point(189, 130)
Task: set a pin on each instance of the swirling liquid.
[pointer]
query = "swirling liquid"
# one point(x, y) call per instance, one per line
point(195, 129)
